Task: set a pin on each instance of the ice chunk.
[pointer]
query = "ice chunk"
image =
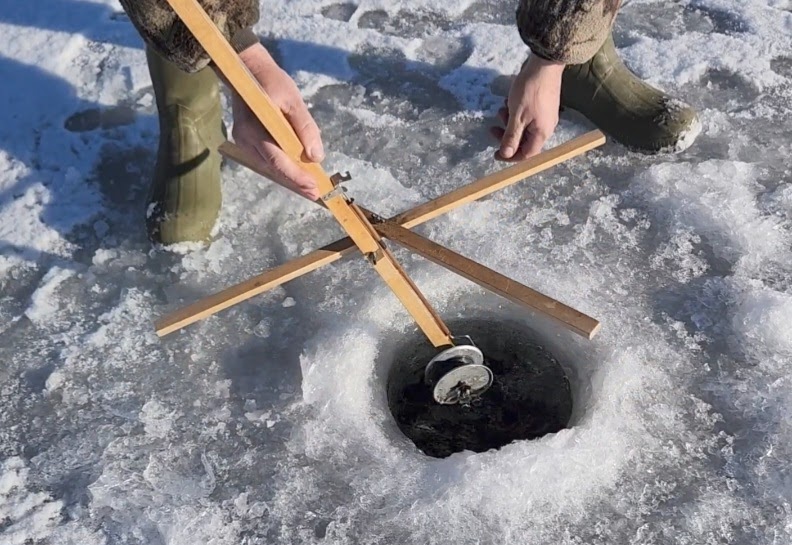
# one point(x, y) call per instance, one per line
point(44, 303)
point(763, 319)
point(157, 419)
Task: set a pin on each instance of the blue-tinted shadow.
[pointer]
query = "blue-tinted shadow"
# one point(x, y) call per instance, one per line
point(41, 103)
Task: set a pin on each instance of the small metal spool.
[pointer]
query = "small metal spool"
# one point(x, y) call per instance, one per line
point(458, 375)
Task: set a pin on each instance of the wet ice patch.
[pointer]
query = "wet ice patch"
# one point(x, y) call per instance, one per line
point(186, 476)
point(377, 120)
point(188, 525)
point(178, 477)
point(115, 344)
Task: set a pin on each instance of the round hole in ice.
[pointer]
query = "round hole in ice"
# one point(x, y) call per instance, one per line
point(530, 396)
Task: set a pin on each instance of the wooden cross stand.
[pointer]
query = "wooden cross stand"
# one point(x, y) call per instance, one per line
point(366, 230)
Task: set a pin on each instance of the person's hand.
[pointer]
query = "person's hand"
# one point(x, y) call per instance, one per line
point(531, 111)
point(250, 135)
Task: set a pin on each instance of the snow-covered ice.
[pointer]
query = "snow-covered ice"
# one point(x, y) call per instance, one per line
point(268, 423)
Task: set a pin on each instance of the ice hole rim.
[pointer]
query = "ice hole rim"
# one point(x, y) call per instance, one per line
point(402, 361)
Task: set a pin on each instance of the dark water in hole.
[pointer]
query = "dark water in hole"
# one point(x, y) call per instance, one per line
point(530, 396)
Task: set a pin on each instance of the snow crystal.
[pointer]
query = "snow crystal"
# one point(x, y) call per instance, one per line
point(157, 419)
point(763, 319)
point(208, 259)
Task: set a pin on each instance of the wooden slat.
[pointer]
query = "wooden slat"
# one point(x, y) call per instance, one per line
point(501, 179)
point(335, 251)
point(355, 225)
point(261, 283)
point(485, 277)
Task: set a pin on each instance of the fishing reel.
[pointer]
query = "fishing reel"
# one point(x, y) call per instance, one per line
point(458, 375)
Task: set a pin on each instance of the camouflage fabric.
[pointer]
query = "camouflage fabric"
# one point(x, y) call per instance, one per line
point(567, 31)
point(162, 30)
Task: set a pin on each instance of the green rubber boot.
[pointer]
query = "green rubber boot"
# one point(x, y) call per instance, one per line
point(185, 196)
point(630, 111)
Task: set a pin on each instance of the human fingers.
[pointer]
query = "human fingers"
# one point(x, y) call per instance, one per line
point(286, 172)
point(533, 142)
point(497, 131)
point(306, 128)
point(510, 142)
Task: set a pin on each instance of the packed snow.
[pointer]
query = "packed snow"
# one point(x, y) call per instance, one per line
point(268, 423)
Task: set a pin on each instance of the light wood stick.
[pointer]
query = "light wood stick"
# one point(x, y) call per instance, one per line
point(254, 286)
point(335, 251)
point(354, 223)
point(499, 180)
point(485, 277)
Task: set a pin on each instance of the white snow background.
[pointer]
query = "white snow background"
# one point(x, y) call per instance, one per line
point(268, 423)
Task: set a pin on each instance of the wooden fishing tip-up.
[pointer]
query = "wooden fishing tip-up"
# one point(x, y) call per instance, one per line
point(366, 230)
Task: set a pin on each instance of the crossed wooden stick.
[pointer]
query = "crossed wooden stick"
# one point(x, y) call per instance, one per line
point(365, 229)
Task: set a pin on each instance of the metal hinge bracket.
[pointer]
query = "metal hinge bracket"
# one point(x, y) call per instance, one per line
point(374, 257)
point(338, 189)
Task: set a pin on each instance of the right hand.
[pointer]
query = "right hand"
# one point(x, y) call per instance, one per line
point(531, 110)
point(250, 135)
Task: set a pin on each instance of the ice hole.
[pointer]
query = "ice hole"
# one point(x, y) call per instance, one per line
point(530, 396)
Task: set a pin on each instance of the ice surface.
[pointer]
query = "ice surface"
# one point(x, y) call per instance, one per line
point(268, 423)
point(26, 515)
